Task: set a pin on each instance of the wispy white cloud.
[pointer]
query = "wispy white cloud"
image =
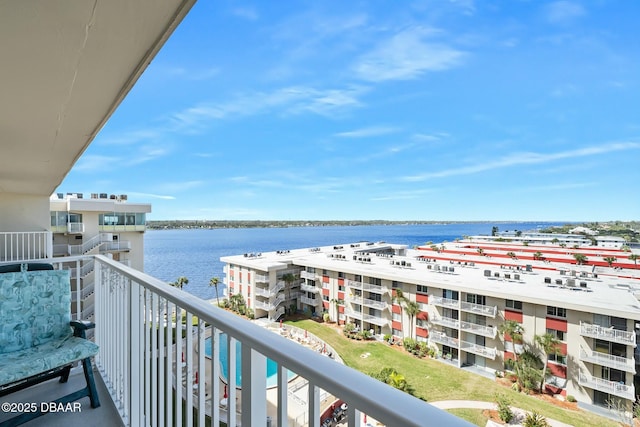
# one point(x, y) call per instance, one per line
point(406, 56)
point(174, 187)
point(558, 187)
point(96, 163)
point(367, 132)
point(150, 195)
point(562, 12)
point(248, 13)
point(524, 158)
point(147, 153)
point(402, 195)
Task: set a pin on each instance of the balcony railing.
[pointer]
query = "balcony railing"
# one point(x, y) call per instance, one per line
point(307, 275)
point(309, 288)
point(444, 302)
point(269, 292)
point(144, 360)
point(442, 338)
point(609, 360)
point(262, 278)
point(606, 386)
point(310, 301)
point(374, 288)
point(485, 310)
point(376, 320)
point(446, 321)
point(485, 331)
point(608, 334)
point(29, 245)
point(75, 227)
point(489, 353)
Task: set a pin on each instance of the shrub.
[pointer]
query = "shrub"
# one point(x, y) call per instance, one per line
point(570, 398)
point(504, 409)
point(534, 419)
point(387, 337)
point(410, 344)
point(326, 317)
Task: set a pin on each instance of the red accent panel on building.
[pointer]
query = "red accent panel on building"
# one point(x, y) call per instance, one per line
point(422, 298)
point(509, 355)
point(557, 324)
point(396, 325)
point(395, 308)
point(340, 295)
point(559, 371)
point(325, 305)
point(325, 279)
point(422, 332)
point(340, 281)
point(513, 315)
point(248, 277)
point(423, 315)
point(563, 348)
point(325, 291)
point(340, 309)
point(240, 276)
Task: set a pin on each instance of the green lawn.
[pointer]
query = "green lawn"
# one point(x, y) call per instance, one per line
point(434, 380)
point(474, 416)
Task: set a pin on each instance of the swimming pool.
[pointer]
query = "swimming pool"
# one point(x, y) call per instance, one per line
point(272, 367)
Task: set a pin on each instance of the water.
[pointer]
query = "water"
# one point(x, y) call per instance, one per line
point(272, 367)
point(196, 254)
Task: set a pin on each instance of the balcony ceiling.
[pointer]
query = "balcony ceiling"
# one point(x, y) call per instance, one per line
point(65, 67)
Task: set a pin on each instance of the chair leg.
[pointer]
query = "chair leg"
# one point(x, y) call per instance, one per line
point(91, 385)
point(65, 374)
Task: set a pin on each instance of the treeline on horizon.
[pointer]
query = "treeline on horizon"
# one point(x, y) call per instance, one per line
point(176, 224)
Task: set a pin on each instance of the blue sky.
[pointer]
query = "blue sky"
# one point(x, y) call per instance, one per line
point(432, 110)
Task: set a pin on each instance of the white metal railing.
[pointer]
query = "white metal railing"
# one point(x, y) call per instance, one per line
point(485, 310)
point(130, 305)
point(307, 275)
point(442, 338)
point(86, 246)
point(610, 360)
point(608, 334)
point(444, 302)
point(381, 305)
point(117, 245)
point(485, 331)
point(310, 301)
point(374, 288)
point(25, 245)
point(611, 387)
point(309, 288)
point(354, 283)
point(489, 353)
point(84, 269)
point(262, 278)
point(75, 227)
point(446, 321)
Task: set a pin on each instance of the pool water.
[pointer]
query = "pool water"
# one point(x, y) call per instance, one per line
point(272, 367)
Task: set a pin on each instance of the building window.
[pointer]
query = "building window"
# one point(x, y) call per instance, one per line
point(397, 317)
point(558, 358)
point(556, 311)
point(325, 297)
point(357, 278)
point(340, 275)
point(421, 289)
point(423, 307)
point(396, 332)
point(324, 272)
point(513, 304)
point(558, 334)
point(396, 285)
point(311, 270)
point(341, 288)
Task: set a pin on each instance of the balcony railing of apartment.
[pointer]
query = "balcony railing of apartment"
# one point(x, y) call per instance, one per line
point(116, 245)
point(446, 321)
point(20, 246)
point(141, 368)
point(485, 310)
point(489, 353)
point(375, 288)
point(310, 301)
point(609, 360)
point(485, 331)
point(262, 278)
point(444, 302)
point(606, 386)
point(376, 320)
point(307, 275)
point(608, 334)
point(75, 227)
point(86, 246)
point(269, 292)
point(442, 338)
point(309, 288)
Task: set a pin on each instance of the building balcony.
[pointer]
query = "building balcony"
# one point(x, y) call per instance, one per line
point(309, 288)
point(378, 289)
point(609, 360)
point(25, 245)
point(75, 227)
point(356, 299)
point(376, 320)
point(310, 301)
point(262, 278)
point(608, 334)
point(484, 310)
point(485, 331)
point(606, 386)
point(442, 338)
point(269, 292)
point(444, 302)
point(446, 322)
point(480, 350)
point(129, 305)
point(307, 275)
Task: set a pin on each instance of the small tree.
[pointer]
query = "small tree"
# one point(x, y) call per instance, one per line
point(398, 298)
point(214, 281)
point(412, 308)
point(515, 331)
point(288, 279)
point(182, 280)
point(537, 255)
point(610, 260)
point(511, 255)
point(581, 259)
point(549, 345)
point(634, 258)
point(534, 419)
point(504, 408)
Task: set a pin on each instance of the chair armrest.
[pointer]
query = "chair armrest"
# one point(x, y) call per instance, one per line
point(80, 326)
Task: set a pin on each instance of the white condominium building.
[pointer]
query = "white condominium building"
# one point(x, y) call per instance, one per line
point(587, 297)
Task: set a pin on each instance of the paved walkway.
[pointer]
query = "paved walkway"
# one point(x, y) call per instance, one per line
point(474, 404)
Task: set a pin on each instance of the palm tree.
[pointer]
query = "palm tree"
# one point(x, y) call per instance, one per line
point(480, 251)
point(182, 280)
point(537, 255)
point(634, 258)
point(399, 299)
point(288, 278)
point(549, 345)
point(214, 282)
point(514, 330)
point(511, 255)
point(412, 308)
point(610, 260)
point(581, 259)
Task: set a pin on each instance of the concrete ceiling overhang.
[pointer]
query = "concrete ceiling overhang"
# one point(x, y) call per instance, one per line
point(65, 66)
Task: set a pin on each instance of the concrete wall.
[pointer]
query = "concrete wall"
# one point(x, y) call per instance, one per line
point(22, 212)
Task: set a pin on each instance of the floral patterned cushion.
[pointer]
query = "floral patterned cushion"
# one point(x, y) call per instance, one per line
point(35, 335)
point(35, 360)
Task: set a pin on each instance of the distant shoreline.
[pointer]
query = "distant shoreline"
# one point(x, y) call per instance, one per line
point(210, 224)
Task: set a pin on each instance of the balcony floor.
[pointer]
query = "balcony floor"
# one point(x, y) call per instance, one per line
point(105, 415)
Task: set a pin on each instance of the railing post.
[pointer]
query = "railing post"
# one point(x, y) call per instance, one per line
point(254, 385)
point(135, 366)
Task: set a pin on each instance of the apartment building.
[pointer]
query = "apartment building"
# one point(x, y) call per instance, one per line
point(462, 293)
